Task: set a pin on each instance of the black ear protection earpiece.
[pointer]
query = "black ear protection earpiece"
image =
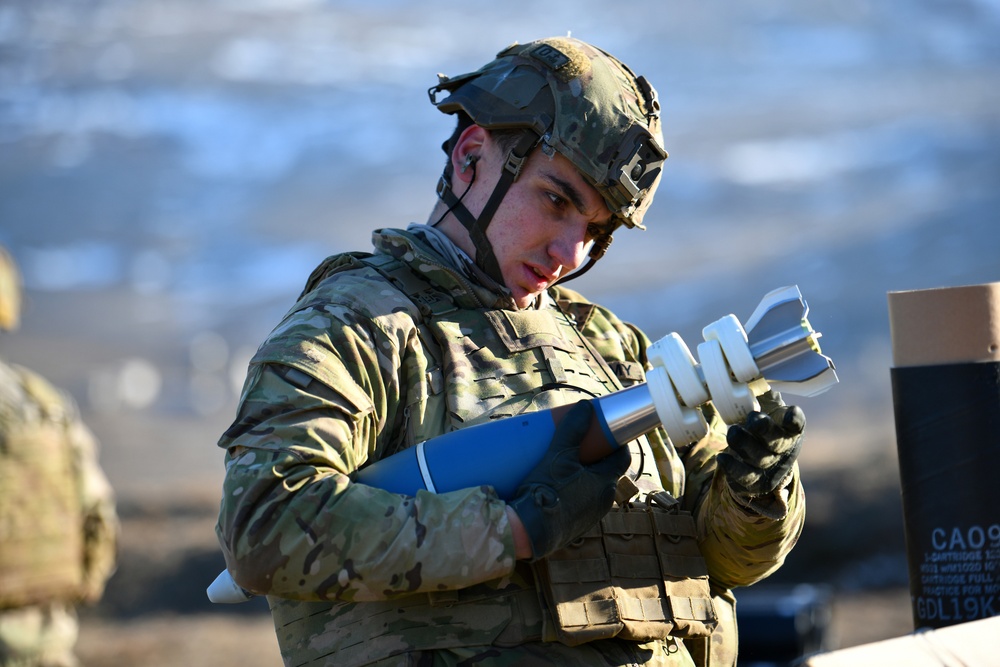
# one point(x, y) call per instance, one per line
point(470, 161)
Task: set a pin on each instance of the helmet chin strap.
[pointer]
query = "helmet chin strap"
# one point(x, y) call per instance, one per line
point(485, 257)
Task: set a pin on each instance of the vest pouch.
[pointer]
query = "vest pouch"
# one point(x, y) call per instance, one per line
point(687, 600)
point(637, 575)
point(575, 583)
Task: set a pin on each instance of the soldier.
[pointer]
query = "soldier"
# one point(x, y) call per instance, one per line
point(58, 526)
point(463, 320)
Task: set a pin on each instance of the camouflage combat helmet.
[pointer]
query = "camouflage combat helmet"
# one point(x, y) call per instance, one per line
point(569, 97)
point(10, 292)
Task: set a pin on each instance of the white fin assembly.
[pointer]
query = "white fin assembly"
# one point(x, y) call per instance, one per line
point(778, 348)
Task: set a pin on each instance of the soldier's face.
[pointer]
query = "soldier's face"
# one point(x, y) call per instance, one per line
point(546, 223)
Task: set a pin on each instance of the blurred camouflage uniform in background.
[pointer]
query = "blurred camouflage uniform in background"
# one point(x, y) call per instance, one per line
point(58, 526)
point(385, 350)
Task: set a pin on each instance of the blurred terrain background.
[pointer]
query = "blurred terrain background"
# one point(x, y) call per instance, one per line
point(170, 172)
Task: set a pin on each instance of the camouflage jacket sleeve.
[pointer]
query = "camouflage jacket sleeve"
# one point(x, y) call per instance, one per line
point(326, 393)
point(740, 545)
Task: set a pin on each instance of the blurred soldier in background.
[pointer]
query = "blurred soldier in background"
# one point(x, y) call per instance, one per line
point(463, 320)
point(58, 526)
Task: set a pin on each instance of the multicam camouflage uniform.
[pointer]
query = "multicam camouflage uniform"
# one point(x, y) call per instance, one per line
point(58, 527)
point(379, 354)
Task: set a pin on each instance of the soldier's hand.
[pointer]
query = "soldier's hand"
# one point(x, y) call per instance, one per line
point(763, 449)
point(561, 498)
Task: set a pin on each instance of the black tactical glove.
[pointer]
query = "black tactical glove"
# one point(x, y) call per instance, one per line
point(561, 498)
point(763, 449)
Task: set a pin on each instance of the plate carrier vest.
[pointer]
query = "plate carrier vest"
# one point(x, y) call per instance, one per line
point(637, 575)
point(41, 518)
